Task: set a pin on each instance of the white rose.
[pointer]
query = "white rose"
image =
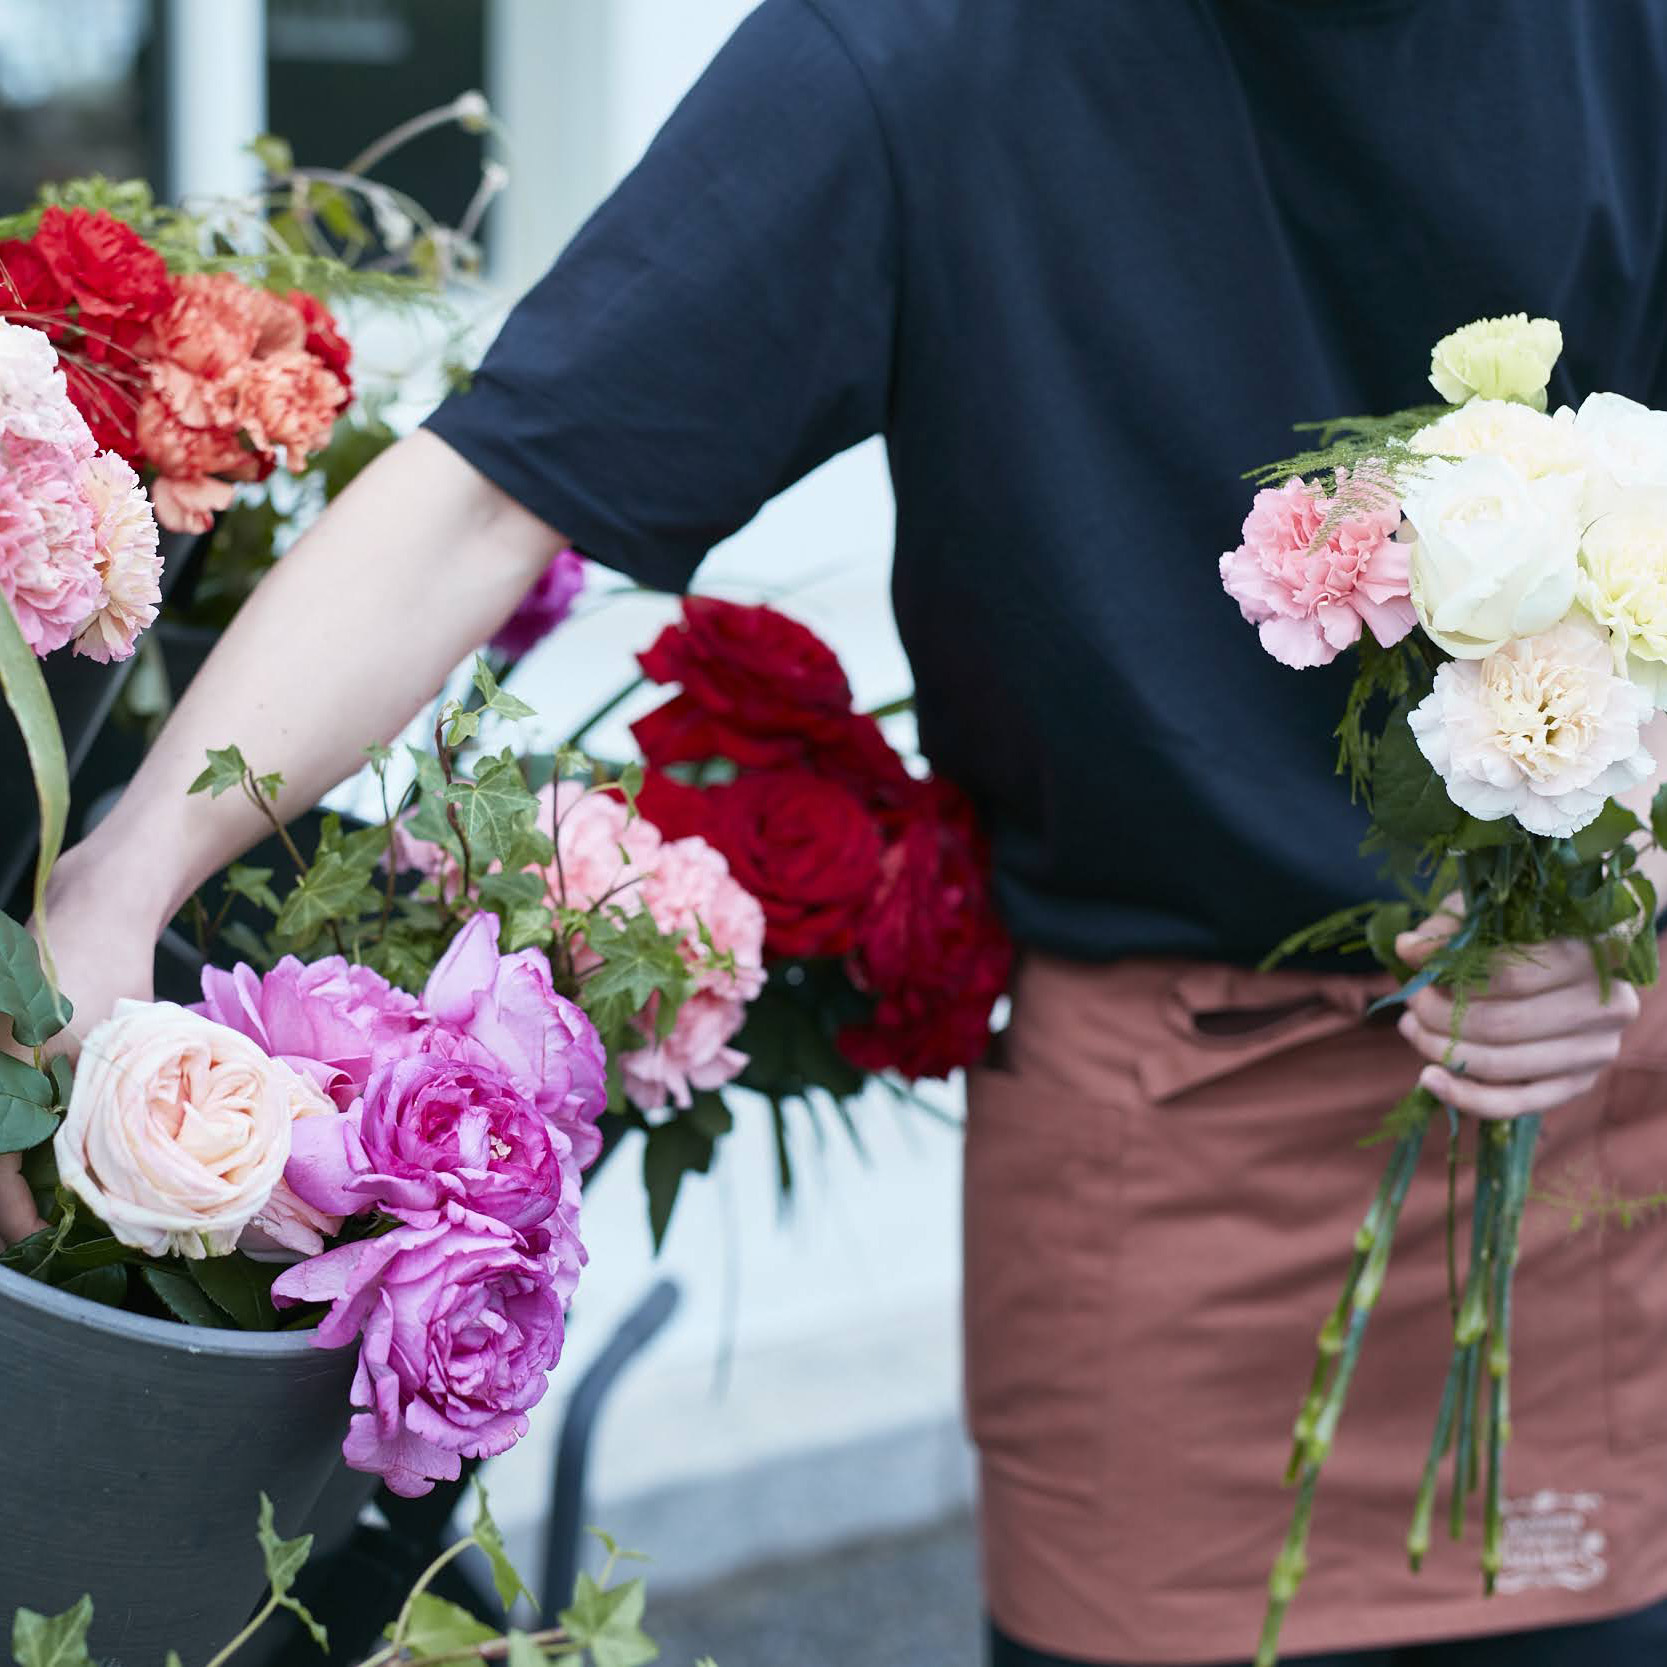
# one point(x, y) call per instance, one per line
point(1497, 358)
point(178, 1129)
point(1543, 731)
point(1626, 443)
point(1496, 554)
point(1623, 586)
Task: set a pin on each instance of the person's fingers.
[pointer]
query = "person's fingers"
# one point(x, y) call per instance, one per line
point(1542, 966)
point(1520, 1062)
point(1563, 1011)
point(1418, 945)
point(18, 1217)
point(1498, 1101)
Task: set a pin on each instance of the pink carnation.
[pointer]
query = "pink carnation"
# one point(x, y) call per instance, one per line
point(544, 607)
point(691, 888)
point(696, 1055)
point(34, 398)
point(1310, 599)
point(330, 1020)
point(605, 851)
point(126, 556)
point(48, 567)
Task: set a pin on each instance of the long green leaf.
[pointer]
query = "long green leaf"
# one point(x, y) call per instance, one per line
point(31, 704)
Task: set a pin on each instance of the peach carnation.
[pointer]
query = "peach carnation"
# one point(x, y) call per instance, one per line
point(288, 403)
point(1308, 596)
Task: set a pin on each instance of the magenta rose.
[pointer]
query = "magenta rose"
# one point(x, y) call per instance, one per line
point(459, 1322)
point(507, 1005)
point(331, 1020)
point(432, 1130)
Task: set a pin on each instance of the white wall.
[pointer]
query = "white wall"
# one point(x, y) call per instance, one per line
point(832, 1328)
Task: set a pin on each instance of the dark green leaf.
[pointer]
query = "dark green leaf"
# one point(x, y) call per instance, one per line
point(226, 769)
point(235, 935)
point(1658, 816)
point(52, 1640)
point(710, 1115)
point(43, 741)
point(673, 1150)
point(252, 883)
point(37, 1014)
point(1614, 823)
point(23, 1125)
point(505, 1576)
point(106, 1285)
point(1383, 926)
point(1409, 800)
point(63, 1078)
point(506, 891)
point(638, 963)
point(525, 925)
point(181, 1297)
point(1475, 835)
point(440, 1628)
point(240, 1288)
point(608, 1623)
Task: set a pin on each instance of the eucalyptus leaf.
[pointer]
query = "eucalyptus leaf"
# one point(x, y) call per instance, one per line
point(24, 1125)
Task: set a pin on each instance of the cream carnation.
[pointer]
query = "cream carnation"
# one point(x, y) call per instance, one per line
point(178, 1129)
point(1623, 586)
point(126, 556)
point(1497, 358)
point(1626, 444)
point(1543, 730)
point(1534, 444)
point(34, 398)
point(1496, 554)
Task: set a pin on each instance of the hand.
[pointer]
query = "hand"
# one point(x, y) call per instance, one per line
point(102, 953)
point(1540, 1034)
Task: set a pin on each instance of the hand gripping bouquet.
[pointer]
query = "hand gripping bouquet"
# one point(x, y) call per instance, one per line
point(1501, 574)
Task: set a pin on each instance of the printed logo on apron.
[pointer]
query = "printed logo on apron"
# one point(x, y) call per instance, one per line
point(1552, 1541)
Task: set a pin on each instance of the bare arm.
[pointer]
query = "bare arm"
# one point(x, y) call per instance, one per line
point(418, 562)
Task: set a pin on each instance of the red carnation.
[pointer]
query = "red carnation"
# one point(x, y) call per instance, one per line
point(932, 950)
point(103, 266)
point(324, 338)
point(757, 687)
point(26, 282)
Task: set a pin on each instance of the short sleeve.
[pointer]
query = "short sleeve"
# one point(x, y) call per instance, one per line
point(721, 326)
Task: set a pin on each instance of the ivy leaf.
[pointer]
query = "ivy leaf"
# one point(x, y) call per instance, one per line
point(523, 1652)
point(235, 935)
point(37, 1014)
point(437, 1627)
point(226, 769)
point(26, 1096)
point(330, 890)
point(461, 726)
point(495, 699)
point(1409, 800)
point(284, 1560)
point(240, 1288)
point(493, 809)
point(53, 1640)
point(505, 1576)
point(270, 786)
point(630, 784)
point(638, 963)
point(673, 1150)
point(608, 1623)
point(525, 925)
point(1614, 823)
point(181, 1297)
point(614, 1549)
point(252, 883)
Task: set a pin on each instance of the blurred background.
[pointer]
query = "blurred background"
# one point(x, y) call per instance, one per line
point(788, 1448)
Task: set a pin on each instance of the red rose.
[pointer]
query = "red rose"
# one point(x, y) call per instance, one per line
point(678, 811)
point(932, 950)
point(758, 687)
point(324, 338)
point(103, 266)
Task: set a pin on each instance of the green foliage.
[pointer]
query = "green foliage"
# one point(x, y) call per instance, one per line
point(1615, 824)
point(494, 810)
point(183, 1298)
point(53, 1640)
point(494, 699)
point(1409, 800)
point(37, 1012)
point(506, 1578)
point(639, 962)
point(1385, 674)
point(1348, 443)
point(336, 887)
point(437, 1627)
point(284, 1560)
point(791, 1033)
point(239, 1288)
point(684, 1146)
point(607, 1621)
point(226, 770)
point(26, 1099)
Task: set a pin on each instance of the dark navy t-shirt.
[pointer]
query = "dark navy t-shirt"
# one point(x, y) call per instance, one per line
point(1082, 262)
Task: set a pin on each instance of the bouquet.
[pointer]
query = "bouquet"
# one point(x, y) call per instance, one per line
point(1501, 574)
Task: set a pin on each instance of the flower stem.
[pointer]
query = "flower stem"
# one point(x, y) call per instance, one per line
point(1470, 1330)
point(261, 1617)
point(424, 1581)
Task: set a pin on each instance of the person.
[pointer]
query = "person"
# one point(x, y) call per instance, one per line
point(1082, 264)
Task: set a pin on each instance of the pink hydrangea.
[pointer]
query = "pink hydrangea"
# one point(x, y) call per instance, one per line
point(48, 566)
point(544, 607)
point(696, 1055)
point(126, 556)
point(332, 1021)
point(605, 852)
point(1309, 596)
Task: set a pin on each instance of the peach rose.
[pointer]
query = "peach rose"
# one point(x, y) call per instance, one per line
point(178, 1129)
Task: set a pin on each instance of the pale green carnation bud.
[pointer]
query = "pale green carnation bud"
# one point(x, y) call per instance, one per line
point(1497, 358)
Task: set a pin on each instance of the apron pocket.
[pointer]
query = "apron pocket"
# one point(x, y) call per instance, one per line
point(1039, 1224)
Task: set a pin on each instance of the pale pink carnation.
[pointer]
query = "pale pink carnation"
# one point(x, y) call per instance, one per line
point(696, 1055)
point(34, 400)
point(1307, 599)
point(605, 851)
point(1542, 730)
point(691, 887)
point(48, 569)
point(126, 556)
